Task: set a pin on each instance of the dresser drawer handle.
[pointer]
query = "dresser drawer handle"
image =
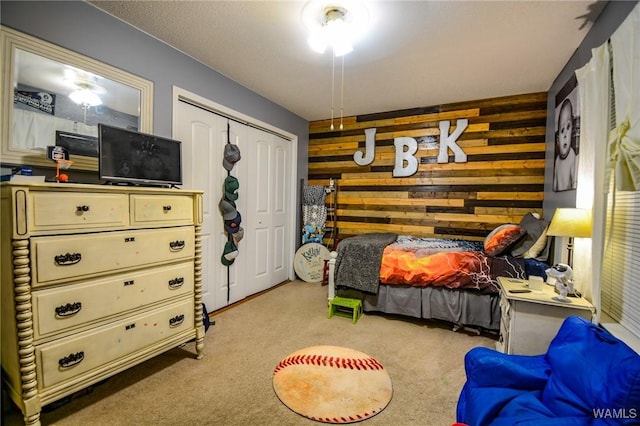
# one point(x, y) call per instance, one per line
point(71, 360)
point(176, 321)
point(130, 282)
point(176, 282)
point(68, 259)
point(68, 310)
point(166, 208)
point(176, 245)
point(81, 209)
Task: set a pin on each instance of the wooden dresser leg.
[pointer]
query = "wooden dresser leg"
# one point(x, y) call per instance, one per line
point(198, 293)
point(24, 326)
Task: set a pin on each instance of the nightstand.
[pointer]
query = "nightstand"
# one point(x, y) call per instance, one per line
point(529, 321)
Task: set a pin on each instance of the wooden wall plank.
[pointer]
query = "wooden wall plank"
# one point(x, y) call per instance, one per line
point(501, 181)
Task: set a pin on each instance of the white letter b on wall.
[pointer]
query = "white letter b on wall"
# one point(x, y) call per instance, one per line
point(407, 155)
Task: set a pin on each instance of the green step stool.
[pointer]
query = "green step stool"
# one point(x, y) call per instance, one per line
point(340, 305)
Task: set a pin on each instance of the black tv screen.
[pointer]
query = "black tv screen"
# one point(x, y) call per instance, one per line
point(126, 156)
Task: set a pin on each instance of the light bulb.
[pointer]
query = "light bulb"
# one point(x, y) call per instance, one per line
point(85, 97)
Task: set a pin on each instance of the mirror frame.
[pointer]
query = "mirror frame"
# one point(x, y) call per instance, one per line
point(10, 40)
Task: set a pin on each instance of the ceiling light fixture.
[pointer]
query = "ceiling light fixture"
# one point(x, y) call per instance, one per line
point(334, 33)
point(84, 96)
point(335, 24)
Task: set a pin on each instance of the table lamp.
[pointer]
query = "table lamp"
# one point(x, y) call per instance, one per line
point(572, 223)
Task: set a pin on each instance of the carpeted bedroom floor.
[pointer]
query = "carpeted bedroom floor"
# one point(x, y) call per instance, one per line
point(232, 385)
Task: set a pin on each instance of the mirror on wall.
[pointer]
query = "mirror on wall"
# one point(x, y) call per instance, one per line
point(51, 95)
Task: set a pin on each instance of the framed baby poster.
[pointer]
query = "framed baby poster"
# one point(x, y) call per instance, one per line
point(567, 137)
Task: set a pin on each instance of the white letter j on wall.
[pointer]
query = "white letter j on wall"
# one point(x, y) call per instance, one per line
point(370, 149)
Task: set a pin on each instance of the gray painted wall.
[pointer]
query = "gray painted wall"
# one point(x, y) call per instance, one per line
point(609, 20)
point(85, 29)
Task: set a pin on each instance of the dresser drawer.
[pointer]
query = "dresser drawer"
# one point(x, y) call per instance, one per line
point(60, 308)
point(70, 357)
point(157, 209)
point(69, 257)
point(70, 210)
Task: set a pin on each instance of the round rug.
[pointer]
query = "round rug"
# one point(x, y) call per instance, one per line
point(332, 384)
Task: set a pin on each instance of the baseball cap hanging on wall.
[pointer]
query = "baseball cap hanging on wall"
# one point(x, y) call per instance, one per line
point(232, 226)
point(238, 235)
point(231, 156)
point(228, 209)
point(229, 254)
point(231, 186)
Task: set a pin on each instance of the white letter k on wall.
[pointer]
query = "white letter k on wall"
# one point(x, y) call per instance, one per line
point(449, 141)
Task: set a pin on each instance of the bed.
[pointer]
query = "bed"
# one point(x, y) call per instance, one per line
point(443, 279)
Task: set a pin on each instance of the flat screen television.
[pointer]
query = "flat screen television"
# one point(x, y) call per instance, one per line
point(126, 156)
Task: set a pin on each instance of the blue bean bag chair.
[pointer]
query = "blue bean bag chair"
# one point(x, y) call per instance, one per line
point(587, 377)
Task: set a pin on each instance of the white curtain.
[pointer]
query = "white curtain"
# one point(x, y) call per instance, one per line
point(625, 141)
point(621, 268)
point(593, 83)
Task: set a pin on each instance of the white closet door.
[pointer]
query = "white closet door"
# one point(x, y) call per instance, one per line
point(203, 137)
point(269, 191)
point(266, 187)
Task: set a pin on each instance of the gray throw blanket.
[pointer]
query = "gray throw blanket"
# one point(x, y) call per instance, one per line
point(359, 259)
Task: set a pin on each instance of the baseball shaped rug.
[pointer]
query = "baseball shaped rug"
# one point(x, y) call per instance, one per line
point(332, 384)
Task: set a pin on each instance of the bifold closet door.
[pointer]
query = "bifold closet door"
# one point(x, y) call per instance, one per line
point(264, 174)
point(269, 190)
point(203, 136)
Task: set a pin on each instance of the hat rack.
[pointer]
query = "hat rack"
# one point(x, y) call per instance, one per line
point(230, 214)
point(229, 238)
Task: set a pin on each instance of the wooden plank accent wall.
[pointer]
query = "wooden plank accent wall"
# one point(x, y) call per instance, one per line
point(502, 180)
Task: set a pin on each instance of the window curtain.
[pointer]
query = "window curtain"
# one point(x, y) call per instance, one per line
point(621, 267)
point(594, 87)
point(610, 157)
point(624, 146)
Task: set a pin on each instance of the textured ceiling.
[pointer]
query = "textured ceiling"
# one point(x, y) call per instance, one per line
point(416, 53)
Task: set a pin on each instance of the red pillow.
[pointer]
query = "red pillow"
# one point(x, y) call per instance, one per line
point(501, 238)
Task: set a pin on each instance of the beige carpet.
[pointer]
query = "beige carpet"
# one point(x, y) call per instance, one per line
point(332, 384)
point(232, 385)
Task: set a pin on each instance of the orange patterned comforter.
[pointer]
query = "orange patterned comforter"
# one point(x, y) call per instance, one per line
point(405, 264)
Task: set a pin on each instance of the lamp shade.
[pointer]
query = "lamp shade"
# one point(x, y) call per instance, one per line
point(571, 222)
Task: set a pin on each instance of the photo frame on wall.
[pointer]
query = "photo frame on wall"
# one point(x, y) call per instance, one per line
point(567, 137)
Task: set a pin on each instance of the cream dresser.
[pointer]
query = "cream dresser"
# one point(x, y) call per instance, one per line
point(95, 279)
